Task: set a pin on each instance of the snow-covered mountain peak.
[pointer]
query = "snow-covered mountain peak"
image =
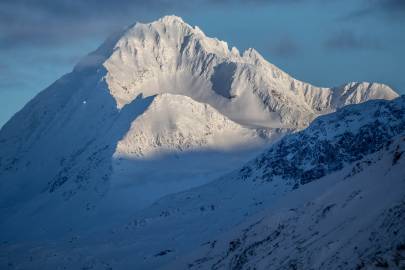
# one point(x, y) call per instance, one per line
point(171, 19)
point(357, 91)
point(170, 56)
point(174, 29)
point(252, 56)
point(167, 55)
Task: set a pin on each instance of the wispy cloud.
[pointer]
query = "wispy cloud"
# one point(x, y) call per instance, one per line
point(48, 22)
point(390, 10)
point(348, 40)
point(284, 47)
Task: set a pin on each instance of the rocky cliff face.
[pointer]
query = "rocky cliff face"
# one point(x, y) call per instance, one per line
point(330, 142)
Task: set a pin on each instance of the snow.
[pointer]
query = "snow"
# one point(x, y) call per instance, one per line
point(176, 122)
point(191, 143)
point(138, 146)
point(170, 56)
point(342, 219)
point(331, 224)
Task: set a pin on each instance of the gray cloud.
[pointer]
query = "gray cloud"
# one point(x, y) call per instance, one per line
point(348, 40)
point(390, 10)
point(259, 2)
point(46, 22)
point(3, 68)
point(49, 22)
point(285, 47)
point(389, 5)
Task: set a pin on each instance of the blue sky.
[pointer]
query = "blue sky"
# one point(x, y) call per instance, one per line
point(324, 42)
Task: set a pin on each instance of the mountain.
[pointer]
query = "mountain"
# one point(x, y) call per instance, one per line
point(170, 56)
point(158, 109)
point(335, 200)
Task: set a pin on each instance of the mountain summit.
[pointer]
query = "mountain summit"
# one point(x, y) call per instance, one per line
point(170, 56)
point(157, 109)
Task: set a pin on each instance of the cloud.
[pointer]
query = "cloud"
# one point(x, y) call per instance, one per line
point(390, 5)
point(390, 10)
point(285, 47)
point(348, 40)
point(260, 2)
point(48, 22)
point(3, 68)
point(6, 83)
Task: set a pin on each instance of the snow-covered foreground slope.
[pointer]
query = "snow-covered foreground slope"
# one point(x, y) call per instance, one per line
point(328, 197)
point(357, 222)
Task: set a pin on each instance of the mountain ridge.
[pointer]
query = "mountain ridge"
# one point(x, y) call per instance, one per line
point(171, 45)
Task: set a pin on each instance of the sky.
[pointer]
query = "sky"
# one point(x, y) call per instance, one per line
point(323, 42)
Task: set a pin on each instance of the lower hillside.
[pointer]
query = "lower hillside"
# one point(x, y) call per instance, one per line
point(355, 223)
